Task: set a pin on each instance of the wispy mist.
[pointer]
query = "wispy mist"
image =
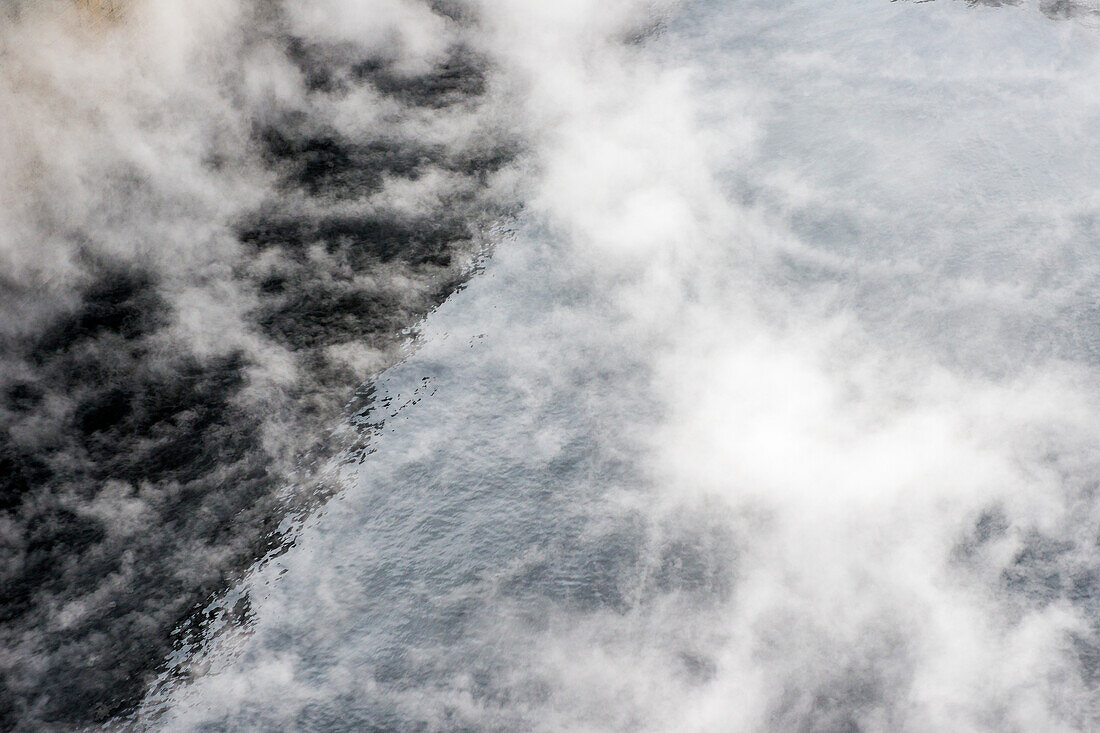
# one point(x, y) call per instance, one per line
point(774, 412)
point(217, 220)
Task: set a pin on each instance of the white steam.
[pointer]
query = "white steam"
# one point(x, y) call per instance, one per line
point(803, 288)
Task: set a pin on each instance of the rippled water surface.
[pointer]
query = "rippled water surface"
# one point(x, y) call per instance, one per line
point(776, 412)
point(755, 386)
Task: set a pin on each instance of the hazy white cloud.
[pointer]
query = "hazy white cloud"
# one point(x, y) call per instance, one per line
point(775, 414)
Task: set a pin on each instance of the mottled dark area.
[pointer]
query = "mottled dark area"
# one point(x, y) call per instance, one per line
point(136, 477)
point(1045, 569)
point(1057, 9)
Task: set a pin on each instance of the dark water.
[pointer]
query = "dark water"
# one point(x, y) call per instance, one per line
point(192, 301)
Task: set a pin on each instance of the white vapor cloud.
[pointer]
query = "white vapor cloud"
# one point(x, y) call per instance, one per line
point(776, 413)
